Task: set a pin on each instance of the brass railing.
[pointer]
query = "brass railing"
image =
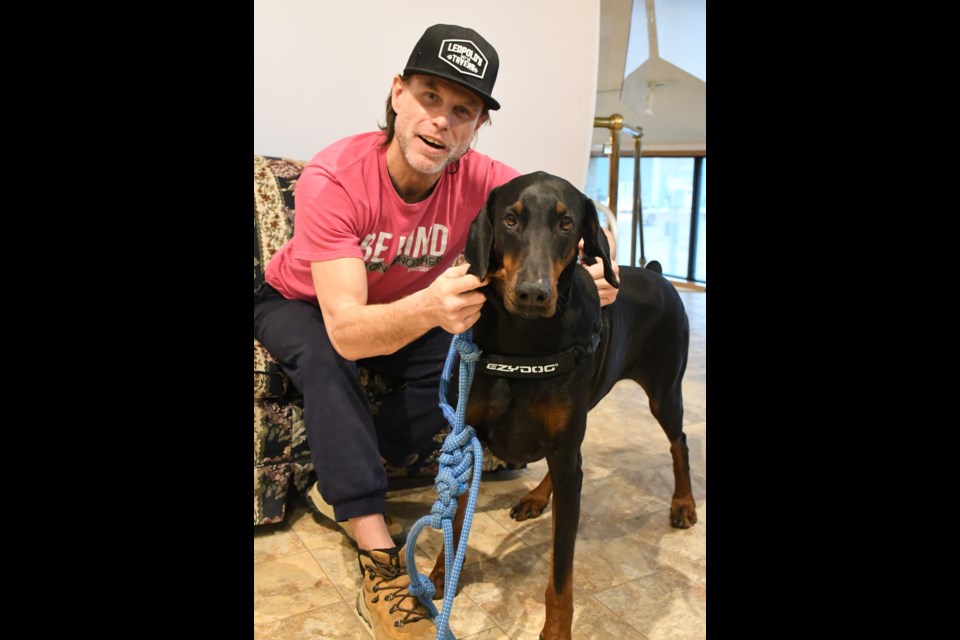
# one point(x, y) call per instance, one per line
point(615, 124)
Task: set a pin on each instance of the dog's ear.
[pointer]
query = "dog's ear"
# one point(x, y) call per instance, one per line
point(480, 239)
point(595, 242)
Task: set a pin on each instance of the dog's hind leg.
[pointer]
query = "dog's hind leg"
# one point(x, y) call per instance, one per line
point(667, 408)
point(533, 504)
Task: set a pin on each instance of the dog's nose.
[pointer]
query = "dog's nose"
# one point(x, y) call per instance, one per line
point(534, 293)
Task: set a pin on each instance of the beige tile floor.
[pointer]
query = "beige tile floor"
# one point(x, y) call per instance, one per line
point(635, 577)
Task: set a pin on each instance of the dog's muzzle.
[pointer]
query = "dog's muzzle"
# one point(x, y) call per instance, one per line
point(534, 298)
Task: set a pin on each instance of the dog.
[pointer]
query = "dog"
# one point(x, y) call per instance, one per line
point(550, 355)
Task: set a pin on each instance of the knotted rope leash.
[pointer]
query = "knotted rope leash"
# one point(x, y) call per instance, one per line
point(461, 458)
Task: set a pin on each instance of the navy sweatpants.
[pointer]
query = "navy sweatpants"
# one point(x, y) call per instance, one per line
point(345, 440)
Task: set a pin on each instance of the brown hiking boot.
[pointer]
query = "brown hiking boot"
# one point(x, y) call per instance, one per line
point(384, 602)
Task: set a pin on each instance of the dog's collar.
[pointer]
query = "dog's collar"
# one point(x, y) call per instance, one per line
point(529, 367)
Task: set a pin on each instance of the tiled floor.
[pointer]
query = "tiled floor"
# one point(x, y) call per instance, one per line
point(635, 577)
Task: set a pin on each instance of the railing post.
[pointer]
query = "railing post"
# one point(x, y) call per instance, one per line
point(637, 220)
point(615, 124)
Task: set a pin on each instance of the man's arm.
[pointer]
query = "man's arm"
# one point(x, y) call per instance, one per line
point(358, 330)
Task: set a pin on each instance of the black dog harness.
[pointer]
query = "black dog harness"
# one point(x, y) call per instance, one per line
point(529, 367)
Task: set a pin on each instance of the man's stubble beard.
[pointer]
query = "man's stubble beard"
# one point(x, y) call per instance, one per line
point(431, 168)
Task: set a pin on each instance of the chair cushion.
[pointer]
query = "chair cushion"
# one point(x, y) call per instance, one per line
point(274, 180)
point(268, 380)
point(279, 434)
point(271, 485)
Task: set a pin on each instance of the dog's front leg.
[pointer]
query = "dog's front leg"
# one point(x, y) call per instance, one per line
point(439, 572)
point(567, 478)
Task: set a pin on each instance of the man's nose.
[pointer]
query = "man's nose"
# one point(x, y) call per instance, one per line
point(442, 121)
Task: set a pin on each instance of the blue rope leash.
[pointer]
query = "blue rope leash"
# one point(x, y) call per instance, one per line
point(461, 457)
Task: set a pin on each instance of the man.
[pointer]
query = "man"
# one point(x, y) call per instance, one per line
point(366, 279)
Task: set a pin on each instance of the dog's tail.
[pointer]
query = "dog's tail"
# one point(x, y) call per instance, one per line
point(653, 265)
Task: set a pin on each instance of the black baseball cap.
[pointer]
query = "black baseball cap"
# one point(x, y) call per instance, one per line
point(460, 55)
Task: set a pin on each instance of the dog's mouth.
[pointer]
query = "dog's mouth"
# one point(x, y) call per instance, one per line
point(533, 313)
point(433, 143)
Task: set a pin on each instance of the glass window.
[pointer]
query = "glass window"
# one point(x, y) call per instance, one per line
point(666, 186)
point(667, 195)
point(598, 188)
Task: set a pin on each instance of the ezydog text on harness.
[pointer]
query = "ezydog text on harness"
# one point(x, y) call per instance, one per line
point(539, 366)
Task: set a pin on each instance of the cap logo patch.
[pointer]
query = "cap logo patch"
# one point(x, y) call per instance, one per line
point(464, 56)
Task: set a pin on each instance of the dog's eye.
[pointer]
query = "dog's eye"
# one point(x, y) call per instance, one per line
point(566, 223)
point(510, 219)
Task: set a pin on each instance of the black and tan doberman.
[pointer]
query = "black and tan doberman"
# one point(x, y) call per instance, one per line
point(550, 355)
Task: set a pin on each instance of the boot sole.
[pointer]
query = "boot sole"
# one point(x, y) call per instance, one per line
point(360, 609)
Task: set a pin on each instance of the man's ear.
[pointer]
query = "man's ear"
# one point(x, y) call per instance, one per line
point(595, 242)
point(480, 238)
point(395, 90)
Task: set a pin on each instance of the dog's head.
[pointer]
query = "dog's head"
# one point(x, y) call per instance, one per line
point(526, 239)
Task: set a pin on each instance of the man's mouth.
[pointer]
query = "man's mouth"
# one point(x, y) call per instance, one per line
point(433, 143)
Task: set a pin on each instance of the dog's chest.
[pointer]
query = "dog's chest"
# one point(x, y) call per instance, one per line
point(519, 420)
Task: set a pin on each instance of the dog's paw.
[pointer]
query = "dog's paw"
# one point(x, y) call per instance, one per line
point(528, 508)
point(683, 514)
point(437, 577)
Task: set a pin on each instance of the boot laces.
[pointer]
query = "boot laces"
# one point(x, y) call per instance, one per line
point(382, 573)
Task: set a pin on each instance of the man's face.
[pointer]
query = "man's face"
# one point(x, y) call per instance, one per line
point(436, 121)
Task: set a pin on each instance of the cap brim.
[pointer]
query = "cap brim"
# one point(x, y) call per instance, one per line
point(491, 104)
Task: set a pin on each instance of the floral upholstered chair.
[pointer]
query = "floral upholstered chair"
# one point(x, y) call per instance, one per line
point(281, 458)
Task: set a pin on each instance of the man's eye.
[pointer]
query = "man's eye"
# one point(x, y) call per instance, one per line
point(566, 223)
point(510, 220)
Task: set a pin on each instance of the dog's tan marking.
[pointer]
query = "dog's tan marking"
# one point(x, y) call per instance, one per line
point(511, 264)
point(561, 264)
point(498, 279)
point(476, 412)
point(554, 416)
point(508, 281)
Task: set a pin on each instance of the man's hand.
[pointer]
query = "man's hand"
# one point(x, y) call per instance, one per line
point(607, 293)
point(451, 300)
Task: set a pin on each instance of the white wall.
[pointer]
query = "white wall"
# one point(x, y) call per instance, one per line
point(322, 71)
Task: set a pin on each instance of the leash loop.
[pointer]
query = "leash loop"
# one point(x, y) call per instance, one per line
point(461, 460)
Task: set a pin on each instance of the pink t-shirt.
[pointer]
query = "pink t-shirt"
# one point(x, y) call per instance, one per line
point(346, 206)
